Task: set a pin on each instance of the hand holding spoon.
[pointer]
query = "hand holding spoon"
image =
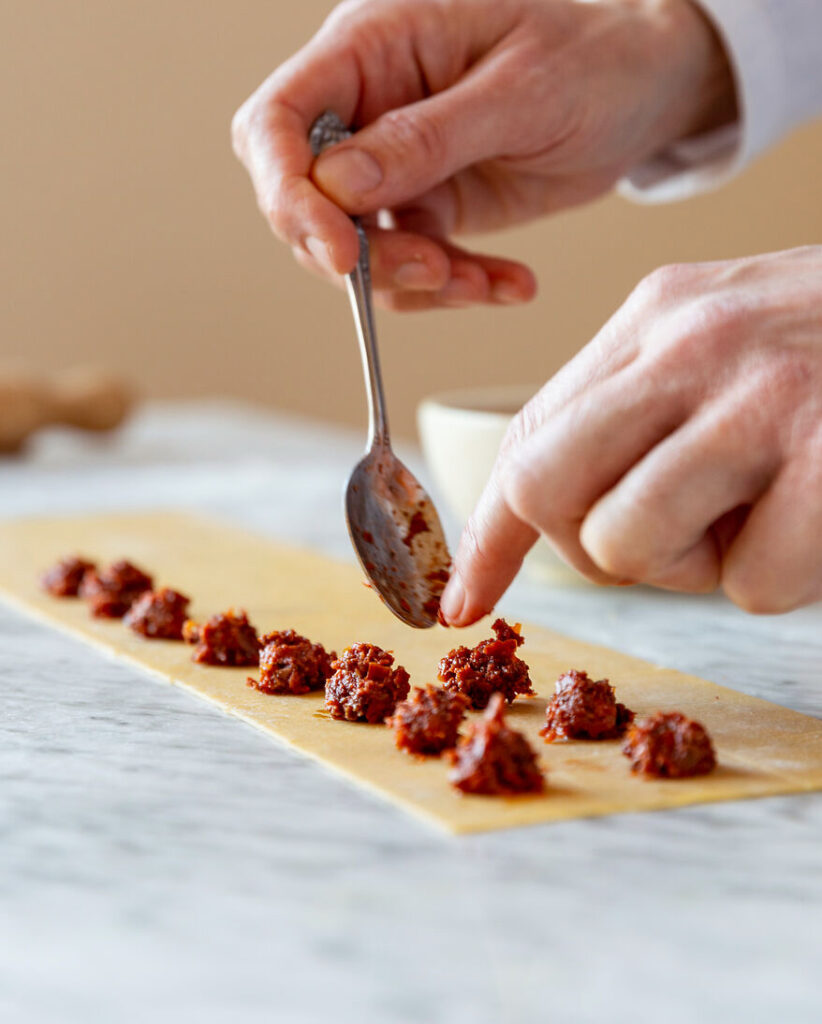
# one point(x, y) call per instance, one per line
point(392, 522)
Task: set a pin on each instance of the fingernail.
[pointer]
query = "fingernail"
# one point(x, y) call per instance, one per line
point(458, 292)
point(453, 599)
point(414, 274)
point(352, 171)
point(507, 293)
point(319, 250)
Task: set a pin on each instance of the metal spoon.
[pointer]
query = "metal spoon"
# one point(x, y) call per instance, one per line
point(392, 522)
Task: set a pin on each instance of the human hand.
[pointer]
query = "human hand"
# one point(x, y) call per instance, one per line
point(473, 115)
point(681, 448)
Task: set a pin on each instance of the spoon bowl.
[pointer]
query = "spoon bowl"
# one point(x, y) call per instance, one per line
point(398, 536)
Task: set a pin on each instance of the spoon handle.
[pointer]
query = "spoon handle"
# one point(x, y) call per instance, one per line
point(327, 131)
point(359, 293)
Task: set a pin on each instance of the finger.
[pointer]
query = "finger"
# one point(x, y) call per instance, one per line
point(553, 478)
point(270, 135)
point(471, 282)
point(651, 525)
point(508, 281)
point(490, 553)
point(614, 349)
point(390, 298)
point(514, 509)
point(364, 62)
point(775, 562)
point(433, 214)
point(698, 571)
point(403, 261)
point(410, 274)
point(410, 150)
point(499, 535)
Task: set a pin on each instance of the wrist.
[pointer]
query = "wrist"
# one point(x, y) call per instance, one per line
point(695, 67)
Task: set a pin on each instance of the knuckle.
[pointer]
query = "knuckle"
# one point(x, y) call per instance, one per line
point(704, 334)
point(611, 555)
point(527, 495)
point(789, 380)
point(689, 345)
point(270, 208)
point(721, 318)
point(663, 285)
point(472, 549)
point(523, 425)
point(515, 432)
point(414, 134)
point(620, 539)
point(516, 486)
point(255, 115)
point(527, 489)
point(283, 204)
point(239, 130)
point(343, 13)
point(251, 122)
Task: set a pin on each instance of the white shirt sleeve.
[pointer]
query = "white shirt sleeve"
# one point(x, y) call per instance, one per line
point(775, 49)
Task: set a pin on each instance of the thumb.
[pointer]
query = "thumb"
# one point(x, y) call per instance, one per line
point(408, 151)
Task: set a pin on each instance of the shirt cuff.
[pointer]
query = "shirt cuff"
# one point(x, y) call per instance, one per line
point(704, 162)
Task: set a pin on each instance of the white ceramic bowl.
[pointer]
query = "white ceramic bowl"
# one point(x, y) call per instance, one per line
point(461, 432)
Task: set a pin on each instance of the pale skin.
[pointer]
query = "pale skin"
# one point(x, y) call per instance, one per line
point(683, 446)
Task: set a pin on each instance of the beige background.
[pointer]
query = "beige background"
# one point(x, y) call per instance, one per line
point(129, 232)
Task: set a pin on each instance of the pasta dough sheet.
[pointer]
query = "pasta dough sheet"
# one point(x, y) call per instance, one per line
point(763, 749)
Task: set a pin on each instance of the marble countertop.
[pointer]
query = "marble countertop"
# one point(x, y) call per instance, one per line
point(160, 861)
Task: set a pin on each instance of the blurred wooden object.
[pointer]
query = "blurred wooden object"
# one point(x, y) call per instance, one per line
point(84, 397)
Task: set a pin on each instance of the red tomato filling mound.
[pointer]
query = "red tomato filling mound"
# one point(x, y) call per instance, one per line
point(110, 592)
point(428, 722)
point(584, 709)
point(226, 639)
point(290, 663)
point(490, 667)
point(365, 687)
point(159, 614)
point(64, 578)
point(493, 760)
point(667, 745)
